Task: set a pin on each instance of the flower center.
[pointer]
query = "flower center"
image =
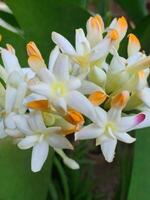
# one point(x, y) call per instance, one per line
point(110, 127)
point(59, 88)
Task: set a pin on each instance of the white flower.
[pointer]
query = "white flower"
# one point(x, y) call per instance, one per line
point(111, 127)
point(92, 49)
point(38, 137)
point(58, 86)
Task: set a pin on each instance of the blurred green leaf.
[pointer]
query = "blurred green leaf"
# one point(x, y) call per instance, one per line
point(135, 9)
point(82, 3)
point(140, 180)
point(17, 180)
point(9, 18)
point(39, 18)
point(143, 31)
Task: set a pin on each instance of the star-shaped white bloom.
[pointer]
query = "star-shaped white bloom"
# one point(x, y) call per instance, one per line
point(59, 87)
point(111, 127)
point(38, 137)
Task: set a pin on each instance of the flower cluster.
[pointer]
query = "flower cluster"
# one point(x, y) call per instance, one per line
point(42, 104)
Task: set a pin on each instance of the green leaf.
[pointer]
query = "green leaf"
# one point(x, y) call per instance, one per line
point(136, 9)
point(9, 18)
point(39, 18)
point(140, 180)
point(142, 31)
point(17, 180)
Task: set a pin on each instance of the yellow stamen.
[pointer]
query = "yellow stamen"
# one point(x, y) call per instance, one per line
point(114, 35)
point(32, 50)
point(97, 98)
point(1, 37)
point(120, 100)
point(10, 48)
point(38, 105)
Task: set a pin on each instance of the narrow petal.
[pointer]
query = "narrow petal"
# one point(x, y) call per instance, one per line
point(88, 132)
point(39, 156)
point(36, 121)
point(13, 133)
point(124, 137)
point(59, 141)
point(63, 43)
point(88, 87)
point(10, 98)
point(95, 28)
point(22, 124)
point(40, 88)
point(60, 104)
point(80, 103)
point(146, 122)
point(108, 148)
point(130, 123)
point(133, 44)
point(10, 61)
point(74, 83)
point(46, 76)
point(27, 142)
point(61, 68)
point(144, 95)
point(2, 130)
point(52, 58)
point(82, 44)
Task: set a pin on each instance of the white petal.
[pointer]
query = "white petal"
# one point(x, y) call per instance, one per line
point(108, 148)
point(35, 120)
point(59, 141)
point(10, 61)
point(41, 89)
point(10, 98)
point(146, 122)
point(52, 58)
point(13, 133)
point(130, 123)
point(60, 104)
point(63, 43)
point(39, 156)
point(61, 68)
point(101, 50)
point(22, 124)
point(9, 121)
point(124, 137)
point(28, 142)
point(21, 92)
point(2, 130)
point(144, 95)
point(88, 87)
point(101, 115)
point(82, 44)
point(79, 102)
point(46, 76)
point(88, 132)
point(74, 83)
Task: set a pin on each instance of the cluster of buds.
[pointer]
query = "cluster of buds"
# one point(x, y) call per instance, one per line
point(42, 104)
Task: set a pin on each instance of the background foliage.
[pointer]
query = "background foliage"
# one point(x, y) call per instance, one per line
point(35, 20)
